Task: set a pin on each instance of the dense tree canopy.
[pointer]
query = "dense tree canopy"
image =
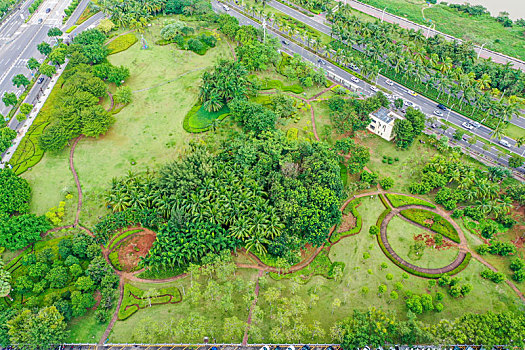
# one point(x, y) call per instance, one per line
point(15, 194)
point(7, 135)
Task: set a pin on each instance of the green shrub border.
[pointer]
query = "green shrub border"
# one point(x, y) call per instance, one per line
point(382, 217)
point(384, 201)
point(130, 301)
point(124, 235)
point(446, 228)
point(402, 200)
point(350, 208)
point(186, 123)
point(458, 269)
point(122, 43)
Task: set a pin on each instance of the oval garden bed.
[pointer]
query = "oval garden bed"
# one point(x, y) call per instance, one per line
point(126, 254)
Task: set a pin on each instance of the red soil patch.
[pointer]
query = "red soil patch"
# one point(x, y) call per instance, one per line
point(347, 223)
point(428, 239)
point(130, 252)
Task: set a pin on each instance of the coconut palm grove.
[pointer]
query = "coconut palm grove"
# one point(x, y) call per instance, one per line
point(261, 174)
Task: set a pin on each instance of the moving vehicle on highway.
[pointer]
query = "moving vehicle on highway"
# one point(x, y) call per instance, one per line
point(373, 88)
point(467, 126)
point(355, 80)
point(40, 80)
point(438, 113)
point(442, 106)
point(504, 143)
point(413, 93)
point(389, 82)
point(48, 10)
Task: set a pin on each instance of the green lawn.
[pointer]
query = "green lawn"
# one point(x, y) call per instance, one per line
point(87, 329)
point(148, 132)
point(480, 30)
point(161, 316)
point(410, 161)
point(401, 235)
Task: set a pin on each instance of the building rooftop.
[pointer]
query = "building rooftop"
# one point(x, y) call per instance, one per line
point(383, 115)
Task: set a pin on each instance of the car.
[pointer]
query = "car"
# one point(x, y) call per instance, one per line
point(353, 66)
point(226, 8)
point(504, 143)
point(40, 20)
point(355, 80)
point(467, 126)
point(284, 42)
point(413, 93)
point(442, 106)
point(48, 10)
point(373, 88)
point(475, 124)
point(291, 347)
point(40, 80)
point(438, 113)
point(433, 125)
point(321, 61)
point(408, 103)
point(265, 347)
point(389, 82)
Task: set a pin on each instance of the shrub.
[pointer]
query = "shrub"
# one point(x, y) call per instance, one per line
point(506, 220)
point(122, 43)
point(496, 277)
point(197, 46)
point(517, 264)
point(373, 230)
point(198, 119)
point(457, 213)
point(502, 248)
point(483, 249)
point(389, 276)
point(386, 183)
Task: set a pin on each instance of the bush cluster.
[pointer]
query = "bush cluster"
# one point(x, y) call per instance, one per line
point(496, 277)
point(399, 200)
point(390, 160)
point(122, 43)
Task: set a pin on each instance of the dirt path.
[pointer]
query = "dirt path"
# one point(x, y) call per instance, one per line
point(249, 321)
point(115, 314)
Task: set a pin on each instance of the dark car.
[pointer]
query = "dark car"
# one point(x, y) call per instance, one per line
point(442, 106)
point(40, 80)
point(48, 10)
point(284, 42)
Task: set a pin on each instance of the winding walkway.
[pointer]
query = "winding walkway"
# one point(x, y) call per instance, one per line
point(258, 264)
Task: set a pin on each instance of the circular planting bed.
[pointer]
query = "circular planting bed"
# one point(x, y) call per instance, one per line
point(126, 253)
point(419, 247)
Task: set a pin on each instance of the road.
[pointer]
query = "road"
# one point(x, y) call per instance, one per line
point(426, 105)
point(405, 23)
point(18, 42)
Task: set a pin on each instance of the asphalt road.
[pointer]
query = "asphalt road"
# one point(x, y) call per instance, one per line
point(317, 23)
point(426, 105)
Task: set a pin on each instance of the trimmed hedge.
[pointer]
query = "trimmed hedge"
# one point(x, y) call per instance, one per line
point(458, 269)
point(384, 201)
point(131, 293)
point(113, 259)
point(382, 217)
point(122, 43)
point(199, 120)
point(122, 236)
point(439, 225)
point(72, 28)
point(399, 200)
point(350, 208)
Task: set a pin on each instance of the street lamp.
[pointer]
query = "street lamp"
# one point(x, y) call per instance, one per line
point(383, 15)
point(449, 111)
point(481, 49)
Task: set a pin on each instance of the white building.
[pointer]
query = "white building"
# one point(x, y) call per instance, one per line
point(382, 123)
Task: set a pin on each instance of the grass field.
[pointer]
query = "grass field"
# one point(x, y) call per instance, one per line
point(148, 132)
point(401, 234)
point(480, 30)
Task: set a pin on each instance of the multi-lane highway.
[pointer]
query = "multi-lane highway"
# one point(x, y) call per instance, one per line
point(426, 105)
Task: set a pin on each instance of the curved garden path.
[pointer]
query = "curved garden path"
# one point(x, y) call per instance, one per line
point(434, 271)
point(258, 264)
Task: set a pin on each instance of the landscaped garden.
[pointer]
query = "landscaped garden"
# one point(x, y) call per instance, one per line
point(242, 199)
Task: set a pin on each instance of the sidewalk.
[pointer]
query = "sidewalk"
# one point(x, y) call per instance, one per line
point(32, 116)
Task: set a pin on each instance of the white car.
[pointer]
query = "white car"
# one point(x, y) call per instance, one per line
point(389, 82)
point(373, 88)
point(438, 113)
point(475, 124)
point(467, 126)
point(504, 143)
point(355, 80)
point(353, 66)
point(408, 103)
point(291, 347)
